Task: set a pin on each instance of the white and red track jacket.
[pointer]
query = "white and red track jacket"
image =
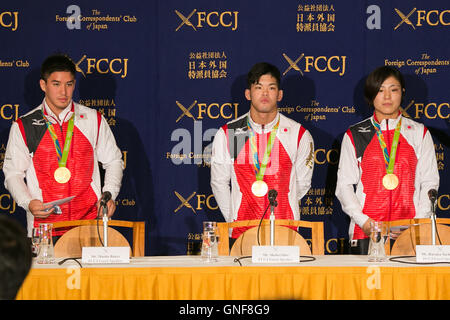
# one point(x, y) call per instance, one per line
point(289, 170)
point(362, 165)
point(31, 154)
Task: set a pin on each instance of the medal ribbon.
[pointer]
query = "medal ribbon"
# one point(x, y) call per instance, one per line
point(389, 158)
point(61, 154)
point(260, 168)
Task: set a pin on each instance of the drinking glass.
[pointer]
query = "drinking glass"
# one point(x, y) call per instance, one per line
point(46, 254)
point(209, 246)
point(378, 237)
point(35, 238)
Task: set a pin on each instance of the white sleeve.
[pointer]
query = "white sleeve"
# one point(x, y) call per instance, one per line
point(348, 176)
point(111, 158)
point(304, 164)
point(17, 161)
point(221, 168)
point(427, 175)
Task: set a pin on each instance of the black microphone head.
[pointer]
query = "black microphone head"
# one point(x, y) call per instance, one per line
point(272, 194)
point(106, 196)
point(432, 194)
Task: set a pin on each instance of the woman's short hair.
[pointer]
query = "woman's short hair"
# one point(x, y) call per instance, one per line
point(376, 78)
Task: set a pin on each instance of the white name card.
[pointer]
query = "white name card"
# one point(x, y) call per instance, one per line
point(105, 255)
point(275, 254)
point(429, 253)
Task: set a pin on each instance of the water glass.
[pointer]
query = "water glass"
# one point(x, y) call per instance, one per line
point(35, 239)
point(46, 254)
point(378, 237)
point(210, 250)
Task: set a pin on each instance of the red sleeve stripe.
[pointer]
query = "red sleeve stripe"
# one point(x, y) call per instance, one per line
point(22, 130)
point(99, 121)
point(349, 133)
point(300, 135)
point(225, 129)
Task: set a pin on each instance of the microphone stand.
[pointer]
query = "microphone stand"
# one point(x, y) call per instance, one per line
point(105, 225)
point(273, 204)
point(433, 222)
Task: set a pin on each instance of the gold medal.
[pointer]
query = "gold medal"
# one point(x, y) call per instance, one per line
point(390, 181)
point(259, 188)
point(62, 175)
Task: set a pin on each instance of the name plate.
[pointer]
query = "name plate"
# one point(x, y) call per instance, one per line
point(275, 254)
point(105, 255)
point(429, 253)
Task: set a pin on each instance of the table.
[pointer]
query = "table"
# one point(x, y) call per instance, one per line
point(188, 278)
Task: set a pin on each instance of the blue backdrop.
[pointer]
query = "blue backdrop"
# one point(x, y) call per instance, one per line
point(167, 74)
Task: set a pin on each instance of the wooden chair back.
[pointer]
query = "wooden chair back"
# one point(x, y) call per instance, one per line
point(84, 233)
point(418, 233)
point(283, 236)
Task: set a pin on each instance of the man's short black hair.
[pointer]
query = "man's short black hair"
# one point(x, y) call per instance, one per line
point(376, 78)
point(15, 257)
point(57, 62)
point(261, 69)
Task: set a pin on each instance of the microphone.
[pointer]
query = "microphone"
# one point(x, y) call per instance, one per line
point(273, 203)
point(432, 194)
point(106, 196)
point(272, 195)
